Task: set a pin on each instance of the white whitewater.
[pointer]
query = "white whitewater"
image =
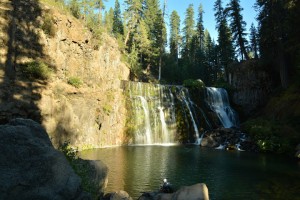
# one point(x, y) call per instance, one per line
point(165, 132)
point(217, 99)
point(198, 141)
point(147, 120)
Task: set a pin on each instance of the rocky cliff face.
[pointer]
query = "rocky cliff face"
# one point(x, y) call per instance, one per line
point(252, 86)
point(92, 115)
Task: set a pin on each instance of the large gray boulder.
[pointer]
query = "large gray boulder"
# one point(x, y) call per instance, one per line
point(197, 191)
point(30, 168)
point(119, 195)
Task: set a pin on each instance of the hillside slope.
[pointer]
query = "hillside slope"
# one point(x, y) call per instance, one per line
point(92, 114)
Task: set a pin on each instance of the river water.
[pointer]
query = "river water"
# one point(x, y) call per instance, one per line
point(228, 174)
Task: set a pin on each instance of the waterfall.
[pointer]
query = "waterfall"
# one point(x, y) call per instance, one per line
point(153, 114)
point(217, 99)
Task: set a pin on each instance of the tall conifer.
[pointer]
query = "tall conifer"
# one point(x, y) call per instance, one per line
point(118, 27)
point(238, 26)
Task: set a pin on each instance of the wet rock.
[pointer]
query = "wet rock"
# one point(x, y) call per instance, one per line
point(96, 174)
point(227, 138)
point(31, 168)
point(209, 141)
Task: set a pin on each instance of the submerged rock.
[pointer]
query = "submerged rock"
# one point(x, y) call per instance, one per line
point(31, 168)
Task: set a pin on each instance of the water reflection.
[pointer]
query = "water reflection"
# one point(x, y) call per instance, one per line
point(228, 175)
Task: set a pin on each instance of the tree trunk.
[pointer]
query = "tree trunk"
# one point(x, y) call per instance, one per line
point(10, 70)
point(283, 68)
point(127, 38)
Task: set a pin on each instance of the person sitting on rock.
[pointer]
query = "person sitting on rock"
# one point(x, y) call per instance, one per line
point(166, 187)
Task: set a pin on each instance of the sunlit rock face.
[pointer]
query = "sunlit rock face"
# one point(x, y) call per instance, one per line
point(252, 86)
point(90, 116)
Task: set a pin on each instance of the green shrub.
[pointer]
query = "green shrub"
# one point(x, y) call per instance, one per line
point(69, 152)
point(36, 70)
point(81, 168)
point(107, 109)
point(223, 84)
point(48, 26)
point(193, 84)
point(75, 81)
point(269, 135)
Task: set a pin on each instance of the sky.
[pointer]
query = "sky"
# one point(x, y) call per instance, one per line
point(249, 13)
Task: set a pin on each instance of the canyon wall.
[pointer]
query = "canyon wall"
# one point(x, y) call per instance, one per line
point(251, 86)
point(89, 116)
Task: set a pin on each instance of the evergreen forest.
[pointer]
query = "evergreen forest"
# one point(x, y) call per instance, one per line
point(188, 51)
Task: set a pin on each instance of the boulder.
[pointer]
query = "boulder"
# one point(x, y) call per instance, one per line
point(198, 191)
point(94, 172)
point(120, 195)
point(31, 168)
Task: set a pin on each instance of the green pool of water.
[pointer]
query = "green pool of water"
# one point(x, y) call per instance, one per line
point(228, 174)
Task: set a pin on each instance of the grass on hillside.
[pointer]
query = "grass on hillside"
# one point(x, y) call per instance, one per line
point(57, 4)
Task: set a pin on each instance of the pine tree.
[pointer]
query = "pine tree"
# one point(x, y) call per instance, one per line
point(188, 32)
point(174, 35)
point(142, 40)
point(253, 41)
point(238, 27)
point(153, 17)
point(99, 5)
point(275, 31)
point(225, 47)
point(118, 28)
point(199, 70)
point(133, 15)
point(108, 20)
point(210, 71)
point(200, 27)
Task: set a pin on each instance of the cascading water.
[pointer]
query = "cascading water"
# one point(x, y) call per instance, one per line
point(154, 112)
point(147, 120)
point(184, 96)
point(165, 114)
point(165, 132)
point(217, 99)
